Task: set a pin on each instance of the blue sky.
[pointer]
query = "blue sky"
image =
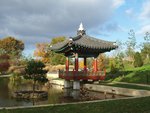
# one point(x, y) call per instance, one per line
point(38, 21)
point(126, 17)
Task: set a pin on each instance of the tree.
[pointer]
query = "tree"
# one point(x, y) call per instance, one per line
point(4, 63)
point(35, 71)
point(81, 64)
point(42, 52)
point(56, 58)
point(101, 62)
point(113, 67)
point(12, 46)
point(147, 37)
point(2, 51)
point(89, 63)
point(131, 44)
point(47, 56)
point(138, 60)
point(145, 51)
point(116, 64)
point(57, 40)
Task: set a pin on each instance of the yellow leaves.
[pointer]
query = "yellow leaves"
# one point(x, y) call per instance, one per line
point(57, 39)
point(101, 61)
point(41, 52)
point(11, 45)
point(81, 64)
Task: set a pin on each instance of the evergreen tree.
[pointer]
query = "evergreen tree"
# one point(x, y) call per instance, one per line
point(138, 60)
point(145, 51)
point(34, 70)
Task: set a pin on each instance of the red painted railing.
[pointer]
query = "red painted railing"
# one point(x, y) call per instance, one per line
point(82, 75)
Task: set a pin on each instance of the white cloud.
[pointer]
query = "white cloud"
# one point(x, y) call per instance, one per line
point(145, 14)
point(129, 12)
point(144, 18)
point(144, 29)
point(28, 19)
point(111, 27)
point(117, 3)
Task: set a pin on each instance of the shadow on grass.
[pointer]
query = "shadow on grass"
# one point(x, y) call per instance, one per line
point(117, 74)
point(139, 76)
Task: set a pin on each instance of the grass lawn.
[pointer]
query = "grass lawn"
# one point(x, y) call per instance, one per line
point(126, 86)
point(136, 105)
point(132, 75)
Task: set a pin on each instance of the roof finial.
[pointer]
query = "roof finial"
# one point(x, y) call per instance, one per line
point(81, 28)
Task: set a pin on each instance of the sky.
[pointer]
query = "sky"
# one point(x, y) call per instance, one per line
point(38, 21)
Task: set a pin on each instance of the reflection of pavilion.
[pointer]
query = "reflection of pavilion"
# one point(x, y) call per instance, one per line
point(81, 46)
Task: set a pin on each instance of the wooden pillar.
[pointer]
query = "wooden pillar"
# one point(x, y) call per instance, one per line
point(85, 66)
point(67, 63)
point(76, 62)
point(95, 65)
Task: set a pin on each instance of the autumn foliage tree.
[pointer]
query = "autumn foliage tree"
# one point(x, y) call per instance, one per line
point(12, 46)
point(42, 52)
point(46, 55)
point(57, 40)
point(101, 62)
point(4, 63)
point(81, 64)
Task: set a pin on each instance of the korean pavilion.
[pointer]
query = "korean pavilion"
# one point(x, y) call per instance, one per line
point(81, 46)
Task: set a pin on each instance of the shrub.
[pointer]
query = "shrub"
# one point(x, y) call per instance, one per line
point(17, 69)
point(113, 68)
point(138, 62)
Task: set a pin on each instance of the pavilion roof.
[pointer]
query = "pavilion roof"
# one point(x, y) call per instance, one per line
point(84, 45)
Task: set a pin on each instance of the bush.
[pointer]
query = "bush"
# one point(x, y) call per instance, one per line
point(55, 68)
point(138, 62)
point(113, 68)
point(17, 69)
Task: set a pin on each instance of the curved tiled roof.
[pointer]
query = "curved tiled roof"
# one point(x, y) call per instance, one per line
point(84, 45)
point(59, 45)
point(93, 43)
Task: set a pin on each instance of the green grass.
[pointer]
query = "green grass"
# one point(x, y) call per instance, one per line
point(132, 75)
point(136, 105)
point(126, 86)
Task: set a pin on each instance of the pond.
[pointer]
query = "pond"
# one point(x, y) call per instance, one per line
point(8, 86)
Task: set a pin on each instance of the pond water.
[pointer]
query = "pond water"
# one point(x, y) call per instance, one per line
point(55, 93)
point(8, 86)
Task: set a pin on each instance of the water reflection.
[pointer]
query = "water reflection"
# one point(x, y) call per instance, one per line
point(55, 93)
point(10, 85)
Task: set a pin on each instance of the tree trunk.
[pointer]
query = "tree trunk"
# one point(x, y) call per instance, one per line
point(33, 87)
